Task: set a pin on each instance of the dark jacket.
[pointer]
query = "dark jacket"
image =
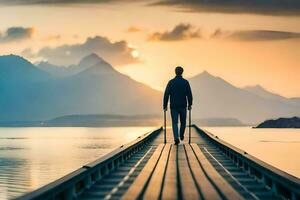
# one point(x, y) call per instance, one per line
point(180, 93)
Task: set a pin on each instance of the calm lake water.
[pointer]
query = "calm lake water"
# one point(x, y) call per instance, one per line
point(32, 157)
point(278, 147)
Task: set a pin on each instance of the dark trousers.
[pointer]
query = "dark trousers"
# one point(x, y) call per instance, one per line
point(181, 113)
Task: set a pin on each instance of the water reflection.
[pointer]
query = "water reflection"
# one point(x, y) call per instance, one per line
point(278, 147)
point(32, 157)
point(14, 177)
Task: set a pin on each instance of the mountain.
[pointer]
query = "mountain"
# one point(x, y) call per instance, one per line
point(293, 122)
point(104, 120)
point(93, 86)
point(59, 71)
point(21, 86)
point(15, 69)
point(91, 60)
point(101, 89)
point(218, 122)
point(216, 98)
point(262, 92)
point(62, 71)
point(295, 101)
point(96, 89)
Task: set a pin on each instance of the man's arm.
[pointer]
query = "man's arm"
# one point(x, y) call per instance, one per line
point(166, 97)
point(189, 96)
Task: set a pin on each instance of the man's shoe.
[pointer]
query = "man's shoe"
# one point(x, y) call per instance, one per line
point(182, 137)
point(177, 141)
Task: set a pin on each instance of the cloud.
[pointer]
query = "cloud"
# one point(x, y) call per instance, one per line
point(262, 7)
point(116, 53)
point(16, 34)
point(41, 2)
point(255, 35)
point(259, 35)
point(133, 29)
point(179, 32)
point(52, 38)
point(218, 33)
point(28, 53)
point(64, 2)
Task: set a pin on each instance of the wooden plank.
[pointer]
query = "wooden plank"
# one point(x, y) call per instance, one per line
point(187, 184)
point(155, 185)
point(170, 190)
point(207, 189)
point(225, 188)
point(137, 187)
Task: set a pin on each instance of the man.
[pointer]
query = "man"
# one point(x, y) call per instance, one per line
point(179, 91)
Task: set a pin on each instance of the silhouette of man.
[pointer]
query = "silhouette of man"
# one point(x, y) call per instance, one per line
point(180, 93)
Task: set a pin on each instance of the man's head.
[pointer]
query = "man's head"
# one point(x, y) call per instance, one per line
point(178, 71)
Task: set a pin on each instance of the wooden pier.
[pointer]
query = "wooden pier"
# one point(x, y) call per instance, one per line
point(148, 168)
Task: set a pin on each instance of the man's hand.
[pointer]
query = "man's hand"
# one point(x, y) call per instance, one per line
point(165, 109)
point(189, 107)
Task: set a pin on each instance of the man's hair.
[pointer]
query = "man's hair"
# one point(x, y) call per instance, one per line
point(178, 71)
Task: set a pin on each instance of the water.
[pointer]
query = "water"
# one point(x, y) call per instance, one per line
point(278, 147)
point(33, 157)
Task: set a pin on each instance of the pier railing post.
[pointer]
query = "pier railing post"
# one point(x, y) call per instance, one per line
point(165, 127)
point(190, 121)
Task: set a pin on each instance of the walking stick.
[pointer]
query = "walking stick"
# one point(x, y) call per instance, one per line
point(190, 121)
point(165, 127)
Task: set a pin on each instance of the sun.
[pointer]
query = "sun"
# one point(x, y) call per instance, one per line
point(135, 53)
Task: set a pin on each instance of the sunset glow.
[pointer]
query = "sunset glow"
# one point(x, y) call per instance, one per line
point(238, 48)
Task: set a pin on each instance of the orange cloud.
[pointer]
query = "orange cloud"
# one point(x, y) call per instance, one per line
point(133, 29)
point(116, 53)
point(255, 35)
point(179, 32)
point(53, 37)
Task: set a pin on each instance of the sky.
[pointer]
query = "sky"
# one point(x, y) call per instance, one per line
point(244, 42)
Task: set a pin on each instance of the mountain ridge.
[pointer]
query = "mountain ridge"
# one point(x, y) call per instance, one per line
point(293, 122)
point(216, 98)
point(86, 92)
point(16, 68)
point(91, 60)
point(97, 88)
